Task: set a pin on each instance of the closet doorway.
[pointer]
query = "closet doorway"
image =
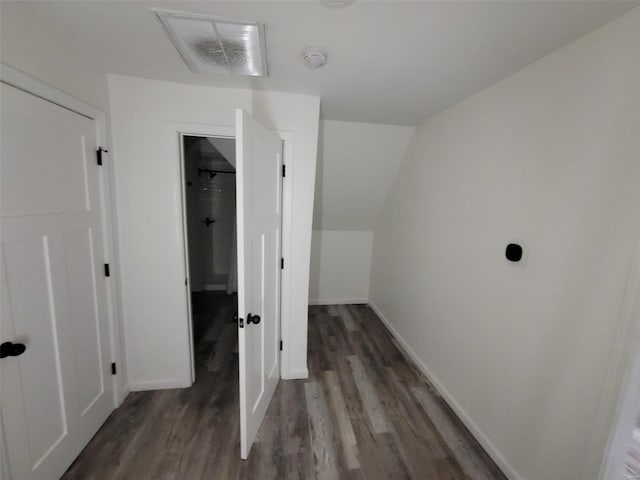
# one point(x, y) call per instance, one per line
point(210, 213)
point(240, 359)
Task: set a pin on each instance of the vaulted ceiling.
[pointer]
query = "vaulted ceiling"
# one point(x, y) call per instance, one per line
point(389, 61)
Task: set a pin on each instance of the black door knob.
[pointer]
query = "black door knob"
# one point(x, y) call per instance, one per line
point(9, 349)
point(207, 221)
point(255, 319)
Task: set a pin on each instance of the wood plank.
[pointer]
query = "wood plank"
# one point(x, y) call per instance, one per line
point(375, 411)
point(332, 310)
point(349, 323)
point(347, 437)
point(223, 347)
point(321, 432)
point(466, 455)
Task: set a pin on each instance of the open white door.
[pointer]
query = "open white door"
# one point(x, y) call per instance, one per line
point(259, 217)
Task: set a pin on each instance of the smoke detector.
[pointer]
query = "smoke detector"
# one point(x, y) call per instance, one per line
point(214, 46)
point(314, 57)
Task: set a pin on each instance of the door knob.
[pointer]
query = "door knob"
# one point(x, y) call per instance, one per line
point(9, 349)
point(207, 221)
point(255, 319)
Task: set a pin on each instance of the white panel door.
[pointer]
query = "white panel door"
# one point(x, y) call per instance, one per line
point(259, 217)
point(57, 393)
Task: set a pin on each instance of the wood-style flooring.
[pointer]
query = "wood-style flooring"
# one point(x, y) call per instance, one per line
point(364, 413)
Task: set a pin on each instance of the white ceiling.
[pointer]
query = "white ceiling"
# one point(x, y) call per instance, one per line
point(389, 61)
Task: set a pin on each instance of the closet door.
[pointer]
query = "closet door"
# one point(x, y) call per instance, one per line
point(55, 378)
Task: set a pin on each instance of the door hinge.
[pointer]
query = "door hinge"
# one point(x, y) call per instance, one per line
point(107, 272)
point(186, 282)
point(282, 264)
point(280, 345)
point(99, 154)
point(284, 170)
point(113, 368)
point(240, 322)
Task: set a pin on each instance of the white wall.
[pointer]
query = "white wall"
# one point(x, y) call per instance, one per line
point(357, 163)
point(219, 205)
point(548, 157)
point(147, 174)
point(340, 267)
point(194, 227)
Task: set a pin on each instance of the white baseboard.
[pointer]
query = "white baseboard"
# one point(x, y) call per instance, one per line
point(493, 452)
point(295, 374)
point(337, 301)
point(158, 385)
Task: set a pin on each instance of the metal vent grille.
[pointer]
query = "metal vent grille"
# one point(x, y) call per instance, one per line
point(214, 46)
point(221, 52)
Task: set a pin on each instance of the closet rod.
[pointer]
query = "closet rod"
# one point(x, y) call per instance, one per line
point(206, 170)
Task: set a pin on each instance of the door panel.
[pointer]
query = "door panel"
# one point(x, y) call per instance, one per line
point(259, 219)
point(54, 396)
point(30, 299)
point(84, 317)
point(26, 186)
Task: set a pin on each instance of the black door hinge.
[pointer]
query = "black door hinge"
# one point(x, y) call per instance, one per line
point(113, 368)
point(282, 263)
point(99, 154)
point(284, 170)
point(280, 345)
point(107, 273)
point(240, 322)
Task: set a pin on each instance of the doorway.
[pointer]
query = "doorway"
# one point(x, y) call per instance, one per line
point(259, 172)
point(211, 236)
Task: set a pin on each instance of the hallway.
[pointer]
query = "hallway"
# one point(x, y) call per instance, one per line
point(363, 413)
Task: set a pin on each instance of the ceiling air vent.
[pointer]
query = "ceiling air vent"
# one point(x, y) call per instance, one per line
point(214, 46)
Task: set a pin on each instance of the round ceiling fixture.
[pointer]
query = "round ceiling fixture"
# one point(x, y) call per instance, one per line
point(314, 57)
point(337, 3)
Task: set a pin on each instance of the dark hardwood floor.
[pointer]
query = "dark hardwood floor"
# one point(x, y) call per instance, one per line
point(364, 413)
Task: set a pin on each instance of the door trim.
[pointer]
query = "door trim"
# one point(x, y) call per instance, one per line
point(176, 131)
point(28, 84)
point(618, 410)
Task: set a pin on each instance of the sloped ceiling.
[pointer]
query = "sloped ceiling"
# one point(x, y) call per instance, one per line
point(389, 61)
point(216, 153)
point(357, 164)
point(226, 147)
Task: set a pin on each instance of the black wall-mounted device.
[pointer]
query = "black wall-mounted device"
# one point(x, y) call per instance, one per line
point(513, 252)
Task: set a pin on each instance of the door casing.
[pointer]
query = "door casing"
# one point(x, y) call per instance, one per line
point(619, 408)
point(179, 129)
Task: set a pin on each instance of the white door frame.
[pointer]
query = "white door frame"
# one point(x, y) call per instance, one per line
point(177, 130)
point(26, 83)
point(620, 407)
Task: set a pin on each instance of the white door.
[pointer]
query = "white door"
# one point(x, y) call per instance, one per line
point(57, 393)
point(259, 217)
